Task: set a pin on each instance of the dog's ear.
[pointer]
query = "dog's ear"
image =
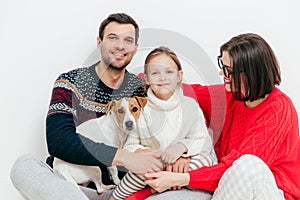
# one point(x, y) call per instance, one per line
point(109, 106)
point(142, 101)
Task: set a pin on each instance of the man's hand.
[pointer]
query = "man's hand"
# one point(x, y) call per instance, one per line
point(139, 163)
point(171, 154)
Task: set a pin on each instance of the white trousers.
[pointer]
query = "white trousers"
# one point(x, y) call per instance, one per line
point(248, 178)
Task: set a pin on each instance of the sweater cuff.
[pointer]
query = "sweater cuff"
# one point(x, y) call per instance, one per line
point(187, 143)
point(198, 180)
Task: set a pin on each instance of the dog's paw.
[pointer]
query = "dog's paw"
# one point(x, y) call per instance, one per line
point(116, 181)
point(104, 188)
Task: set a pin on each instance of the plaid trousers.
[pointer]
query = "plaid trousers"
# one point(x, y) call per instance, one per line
point(248, 178)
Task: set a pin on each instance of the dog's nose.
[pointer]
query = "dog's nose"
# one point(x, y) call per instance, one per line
point(129, 124)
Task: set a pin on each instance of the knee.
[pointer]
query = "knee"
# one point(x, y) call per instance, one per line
point(21, 166)
point(250, 166)
point(249, 161)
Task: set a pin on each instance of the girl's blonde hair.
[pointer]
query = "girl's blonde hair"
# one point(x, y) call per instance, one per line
point(160, 51)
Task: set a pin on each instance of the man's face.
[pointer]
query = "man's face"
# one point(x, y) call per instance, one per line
point(118, 45)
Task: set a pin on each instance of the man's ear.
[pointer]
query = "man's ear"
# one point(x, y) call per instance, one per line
point(142, 101)
point(99, 41)
point(135, 49)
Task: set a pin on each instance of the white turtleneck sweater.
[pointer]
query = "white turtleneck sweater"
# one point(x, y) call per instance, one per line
point(178, 119)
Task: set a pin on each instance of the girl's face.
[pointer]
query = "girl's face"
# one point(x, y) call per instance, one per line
point(163, 76)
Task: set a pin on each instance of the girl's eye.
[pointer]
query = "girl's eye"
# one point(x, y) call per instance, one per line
point(154, 73)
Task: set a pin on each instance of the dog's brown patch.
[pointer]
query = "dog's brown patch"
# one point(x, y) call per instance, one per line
point(136, 104)
point(132, 104)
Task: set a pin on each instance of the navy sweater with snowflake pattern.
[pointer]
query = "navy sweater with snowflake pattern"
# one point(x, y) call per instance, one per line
point(77, 96)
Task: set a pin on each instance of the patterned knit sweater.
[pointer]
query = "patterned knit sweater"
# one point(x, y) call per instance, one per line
point(77, 96)
point(178, 119)
point(269, 131)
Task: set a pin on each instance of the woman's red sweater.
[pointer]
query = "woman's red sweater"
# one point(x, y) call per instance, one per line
point(269, 131)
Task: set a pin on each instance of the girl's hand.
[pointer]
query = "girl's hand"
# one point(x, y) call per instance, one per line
point(172, 153)
point(180, 166)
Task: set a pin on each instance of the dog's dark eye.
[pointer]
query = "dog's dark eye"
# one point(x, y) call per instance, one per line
point(120, 111)
point(134, 109)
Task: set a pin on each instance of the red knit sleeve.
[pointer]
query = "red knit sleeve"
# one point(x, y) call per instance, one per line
point(212, 101)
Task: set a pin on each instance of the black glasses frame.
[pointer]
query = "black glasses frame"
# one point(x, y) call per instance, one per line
point(226, 69)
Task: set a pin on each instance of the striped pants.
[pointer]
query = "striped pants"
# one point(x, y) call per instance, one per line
point(133, 182)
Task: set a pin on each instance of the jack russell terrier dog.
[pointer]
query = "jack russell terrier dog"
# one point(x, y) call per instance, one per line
point(112, 129)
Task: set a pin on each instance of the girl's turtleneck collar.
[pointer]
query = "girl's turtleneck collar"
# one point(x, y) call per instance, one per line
point(165, 105)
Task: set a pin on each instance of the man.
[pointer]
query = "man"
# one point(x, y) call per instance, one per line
point(80, 95)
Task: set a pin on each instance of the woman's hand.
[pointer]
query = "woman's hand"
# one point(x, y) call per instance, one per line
point(162, 181)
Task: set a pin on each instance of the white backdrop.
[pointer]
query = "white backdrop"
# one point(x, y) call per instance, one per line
point(41, 39)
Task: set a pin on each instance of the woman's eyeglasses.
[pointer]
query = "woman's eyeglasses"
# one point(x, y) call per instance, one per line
point(226, 69)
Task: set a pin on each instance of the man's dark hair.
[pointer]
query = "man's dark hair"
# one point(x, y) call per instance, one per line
point(120, 18)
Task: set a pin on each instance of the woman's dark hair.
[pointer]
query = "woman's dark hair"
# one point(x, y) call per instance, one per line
point(120, 18)
point(254, 64)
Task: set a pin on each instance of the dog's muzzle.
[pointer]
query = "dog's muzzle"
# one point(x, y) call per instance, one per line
point(129, 125)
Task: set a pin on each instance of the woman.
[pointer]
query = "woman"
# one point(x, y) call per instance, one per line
point(257, 142)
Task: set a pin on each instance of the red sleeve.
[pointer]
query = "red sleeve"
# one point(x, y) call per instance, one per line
point(212, 101)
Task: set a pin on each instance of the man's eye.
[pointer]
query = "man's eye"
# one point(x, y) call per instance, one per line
point(129, 41)
point(120, 111)
point(112, 37)
point(134, 109)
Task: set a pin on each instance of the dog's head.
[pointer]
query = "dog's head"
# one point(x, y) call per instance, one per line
point(127, 111)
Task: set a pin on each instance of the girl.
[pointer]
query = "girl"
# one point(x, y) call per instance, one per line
point(170, 122)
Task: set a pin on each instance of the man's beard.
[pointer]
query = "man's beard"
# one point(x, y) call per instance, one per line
point(114, 68)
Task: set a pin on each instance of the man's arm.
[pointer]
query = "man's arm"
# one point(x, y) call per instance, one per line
point(64, 143)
